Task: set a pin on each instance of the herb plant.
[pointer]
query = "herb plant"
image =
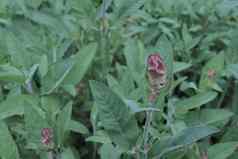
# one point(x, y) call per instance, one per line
point(118, 79)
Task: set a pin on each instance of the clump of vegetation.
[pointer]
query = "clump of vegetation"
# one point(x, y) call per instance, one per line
point(118, 79)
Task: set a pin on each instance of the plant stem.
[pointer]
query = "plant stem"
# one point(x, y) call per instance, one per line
point(94, 150)
point(94, 132)
point(50, 155)
point(146, 133)
point(137, 155)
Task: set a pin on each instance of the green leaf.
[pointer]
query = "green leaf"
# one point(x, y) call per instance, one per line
point(3, 6)
point(30, 73)
point(78, 127)
point(99, 137)
point(235, 99)
point(11, 74)
point(189, 41)
point(182, 106)
point(63, 122)
point(184, 138)
point(108, 151)
point(178, 82)
point(231, 133)
point(15, 49)
point(127, 7)
point(136, 108)
point(115, 116)
point(43, 66)
point(103, 8)
point(188, 85)
point(34, 3)
point(222, 150)
point(14, 105)
point(67, 154)
point(71, 89)
point(187, 38)
point(8, 148)
point(34, 123)
point(135, 59)
point(178, 154)
point(82, 62)
point(233, 69)
point(51, 104)
point(166, 51)
point(81, 5)
point(216, 64)
point(56, 75)
point(54, 22)
point(115, 86)
point(168, 20)
point(180, 66)
point(207, 116)
point(124, 84)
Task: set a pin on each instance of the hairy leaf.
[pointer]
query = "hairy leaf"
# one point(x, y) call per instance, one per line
point(115, 116)
point(8, 148)
point(184, 138)
point(82, 62)
point(222, 150)
point(207, 116)
point(11, 74)
point(182, 106)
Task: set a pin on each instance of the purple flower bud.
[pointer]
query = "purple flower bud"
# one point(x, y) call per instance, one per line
point(211, 73)
point(156, 64)
point(46, 136)
point(156, 75)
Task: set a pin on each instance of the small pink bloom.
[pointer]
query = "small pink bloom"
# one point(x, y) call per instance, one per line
point(211, 73)
point(46, 136)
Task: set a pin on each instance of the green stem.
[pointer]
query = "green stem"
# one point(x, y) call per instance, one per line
point(146, 133)
point(95, 146)
point(103, 42)
point(137, 155)
point(94, 150)
point(50, 155)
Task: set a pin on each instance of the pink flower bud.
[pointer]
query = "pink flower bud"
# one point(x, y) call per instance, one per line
point(156, 75)
point(211, 73)
point(156, 64)
point(46, 136)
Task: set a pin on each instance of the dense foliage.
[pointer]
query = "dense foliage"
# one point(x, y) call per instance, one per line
point(74, 79)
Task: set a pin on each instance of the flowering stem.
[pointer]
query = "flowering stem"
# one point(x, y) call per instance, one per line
point(137, 155)
point(50, 155)
point(146, 133)
point(157, 80)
